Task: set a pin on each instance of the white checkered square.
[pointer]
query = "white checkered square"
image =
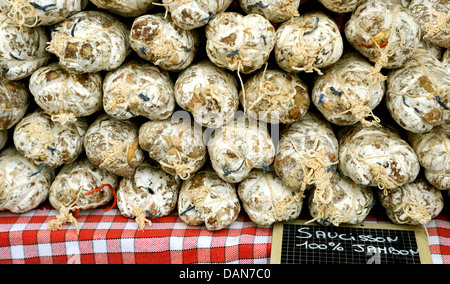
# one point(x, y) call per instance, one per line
point(127, 245)
point(17, 252)
point(100, 246)
point(45, 249)
point(204, 242)
point(176, 243)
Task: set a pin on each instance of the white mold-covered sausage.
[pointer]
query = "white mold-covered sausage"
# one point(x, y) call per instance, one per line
point(90, 41)
point(433, 17)
point(157, 39)
point(80, 185)
point(138, 89)
point(192, 14)
point(176, 145)
point(432, 48)
point(44, 141)
point(238, 42)
point(14, 103)
point(32, 13)
point(66, 96)
point(209, 93)
point(23, 186)
point(344, 94)
point(384, 32)
point(433, 151)
point(276, 11)
point(238, 147)
point(307, 155)
point(113, 145)
point(418, 94)
point(206, 199)
point(275, 96)
point(415, 203)
point(149, 193)
point(125, 8)
point(377, 156)
point(308, 43)
point(22, 51)
point(266, 200)
point(351, 203)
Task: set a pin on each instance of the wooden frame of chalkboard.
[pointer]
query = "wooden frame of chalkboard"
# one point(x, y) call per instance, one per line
point(300, 242)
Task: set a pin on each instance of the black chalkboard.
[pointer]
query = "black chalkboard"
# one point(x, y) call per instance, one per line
point(368, 243)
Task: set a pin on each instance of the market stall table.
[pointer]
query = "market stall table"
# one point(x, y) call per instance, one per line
point(110, 238)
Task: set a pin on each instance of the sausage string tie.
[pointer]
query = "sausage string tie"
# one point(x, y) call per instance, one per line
point(379, 173)
point(329, 214)
point(39, 171)
point(21, 12)
point(112, 191)
point(357, 107)
point(227, 172)
point(198, 196)
point(305, 56)
point(65, 212)
point(139, 213)
point(45, 8)
point(435, 28)
point(413, 209)
point(275, 94)
point(281, 208)
point(189, 208)
point(316, 25)
point(315, 169)
point(210, 15)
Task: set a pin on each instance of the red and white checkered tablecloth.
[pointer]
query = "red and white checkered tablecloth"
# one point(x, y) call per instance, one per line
point(108, 237)
point(439, 239)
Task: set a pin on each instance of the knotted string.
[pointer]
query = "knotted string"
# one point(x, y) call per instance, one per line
point(434, 29)
point(21, 12)
point(357, 108)
point(329, 213)
point(65, 212)
point(378, 171)
point(315, 169)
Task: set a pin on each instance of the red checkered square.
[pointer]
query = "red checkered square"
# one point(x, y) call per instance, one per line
point(176, 257)
point(204, 255)
point(218, 255)
point(5, 254)
point(29, 237)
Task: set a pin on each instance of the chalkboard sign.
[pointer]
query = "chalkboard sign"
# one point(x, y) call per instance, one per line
point(368, 243)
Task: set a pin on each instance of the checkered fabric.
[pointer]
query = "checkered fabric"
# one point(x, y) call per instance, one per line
point(108, 237)
point(439, 239)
